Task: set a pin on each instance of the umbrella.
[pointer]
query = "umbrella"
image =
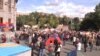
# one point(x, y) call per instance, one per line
point(52, 39)
point(48, 40)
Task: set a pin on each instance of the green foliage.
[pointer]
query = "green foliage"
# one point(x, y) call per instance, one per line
point(97, 8)
point(64, 20)
point(36, 18)
point(53, 21)
point(75, 23)
point(89, 24)
point(91, 20)
point(20, 22)
point(42, 21)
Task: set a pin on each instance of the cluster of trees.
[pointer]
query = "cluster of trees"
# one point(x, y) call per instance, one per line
point(91, 20)
point(37, 18)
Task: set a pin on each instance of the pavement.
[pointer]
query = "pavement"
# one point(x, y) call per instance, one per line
point(69, 47)
point(64, 50)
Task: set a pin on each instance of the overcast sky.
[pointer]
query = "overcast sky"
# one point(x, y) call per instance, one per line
point(73, 8)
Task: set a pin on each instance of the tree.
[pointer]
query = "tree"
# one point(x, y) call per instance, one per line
point(97, 11)
point(97, 8)
point(64, 20)
point(89, 15)
point(91, 20)
point(35, 16)
point(53, 21)
point(39, 18)
point(42, 21)
point(88, 24)
point(20, 22)
point(76, 23)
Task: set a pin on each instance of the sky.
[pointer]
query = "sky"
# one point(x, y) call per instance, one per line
point(70, 8)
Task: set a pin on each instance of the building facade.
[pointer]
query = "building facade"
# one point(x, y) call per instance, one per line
point(8, 15)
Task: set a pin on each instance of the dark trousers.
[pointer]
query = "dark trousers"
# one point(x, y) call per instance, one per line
point(85, 47)
point(42, 52)
point(32, 50)
point(57, 54)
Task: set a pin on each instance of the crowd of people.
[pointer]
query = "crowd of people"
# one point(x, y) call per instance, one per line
point(52, 41)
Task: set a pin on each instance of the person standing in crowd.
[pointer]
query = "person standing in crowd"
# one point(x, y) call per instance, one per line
point(42, 48)
point(74, 41)
point(57, 47)
point(33, 44)
point(58, 50)
point(91, 43)
point(64, 38)
point(85, 42)
point(98, 41)
point(17, 38)
point(61, 34)
point(79, 45)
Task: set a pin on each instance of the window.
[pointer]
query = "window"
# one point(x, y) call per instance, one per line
point(1, 4)
point(1, 20)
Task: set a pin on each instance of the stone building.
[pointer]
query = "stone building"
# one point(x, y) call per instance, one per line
point(8, 14)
